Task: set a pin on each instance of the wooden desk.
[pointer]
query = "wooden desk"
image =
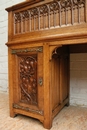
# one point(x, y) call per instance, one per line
point(41, 34)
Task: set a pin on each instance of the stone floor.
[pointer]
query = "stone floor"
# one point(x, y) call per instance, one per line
point(70, 118)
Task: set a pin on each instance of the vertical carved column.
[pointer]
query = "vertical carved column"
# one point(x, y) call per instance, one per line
point(54, 14)
point(17, 23)
point(79, 13)
point(43, 16)
point(66, 11)
point(25, 21)
point(34, 19)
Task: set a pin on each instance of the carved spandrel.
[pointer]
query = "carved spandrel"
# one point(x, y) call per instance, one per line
point(28, 79)
point(53, 14)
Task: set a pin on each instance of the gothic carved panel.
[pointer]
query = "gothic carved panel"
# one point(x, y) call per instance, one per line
point(28, 78)
point(56, 13)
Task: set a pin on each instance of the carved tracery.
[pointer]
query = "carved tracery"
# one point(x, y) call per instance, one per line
point(34, 12)
point(53, 14)
point(17, 17)
point(43, 9)
point(25, 15)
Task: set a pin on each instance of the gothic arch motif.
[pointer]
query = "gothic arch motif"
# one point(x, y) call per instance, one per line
point(53, 14)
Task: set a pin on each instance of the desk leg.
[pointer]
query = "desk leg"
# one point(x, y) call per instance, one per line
point(47, 89)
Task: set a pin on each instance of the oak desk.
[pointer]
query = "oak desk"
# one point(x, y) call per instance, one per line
point(41, 35)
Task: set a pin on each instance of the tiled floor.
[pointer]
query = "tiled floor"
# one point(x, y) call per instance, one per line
point(70, 118)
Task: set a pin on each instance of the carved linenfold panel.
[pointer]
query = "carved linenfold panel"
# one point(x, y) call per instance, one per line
point(53, 14)
point(28, 79)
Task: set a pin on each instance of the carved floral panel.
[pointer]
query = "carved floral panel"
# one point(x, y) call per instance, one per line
point(28, 79)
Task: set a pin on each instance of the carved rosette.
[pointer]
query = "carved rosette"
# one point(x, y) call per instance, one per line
point(28, 79)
